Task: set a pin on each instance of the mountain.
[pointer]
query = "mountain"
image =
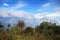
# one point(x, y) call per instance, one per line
point(28, 21)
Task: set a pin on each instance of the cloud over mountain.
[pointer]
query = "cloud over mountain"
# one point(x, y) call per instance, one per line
point(30, 19)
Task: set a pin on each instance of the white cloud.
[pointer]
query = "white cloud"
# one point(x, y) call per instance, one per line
point(57, 9)
point(30, 18)
point(18, 5)
point(15, 6)
point(38, 16)
point(3, 13)
point(21, 13)
point(53, 17)
point(54, 14)
point(46, 5)
point(5, 4)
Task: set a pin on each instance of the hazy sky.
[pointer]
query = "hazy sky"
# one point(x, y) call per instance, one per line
point(33, 10)
point(25, 8)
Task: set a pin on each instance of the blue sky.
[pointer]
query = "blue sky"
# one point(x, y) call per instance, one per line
point(37, 8)
point(29, 5)
point(31, 9)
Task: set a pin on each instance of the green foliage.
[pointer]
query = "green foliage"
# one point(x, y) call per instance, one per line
point(9, 25)
point(1, 25)
point(21, 24)
point(44, 31)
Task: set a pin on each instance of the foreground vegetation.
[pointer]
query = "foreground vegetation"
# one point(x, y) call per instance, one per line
point(44, 31)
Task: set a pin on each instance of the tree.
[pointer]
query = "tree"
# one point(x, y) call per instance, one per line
point(48, 28)
point(9, 25)
point(21, 24)
point(28, 30)
point(1, 25)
